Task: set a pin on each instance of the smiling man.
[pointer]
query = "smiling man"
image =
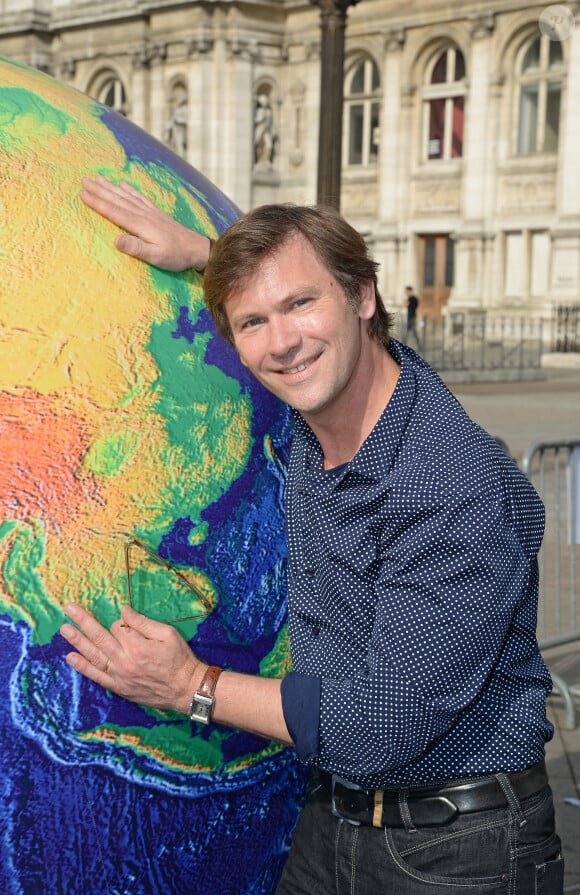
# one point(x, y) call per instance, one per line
point(418, 692)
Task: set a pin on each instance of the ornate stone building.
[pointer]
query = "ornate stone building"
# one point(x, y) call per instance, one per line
point(461, 122)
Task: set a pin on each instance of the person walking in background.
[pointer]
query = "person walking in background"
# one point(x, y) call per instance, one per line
point(418, 692)
point(412, 304)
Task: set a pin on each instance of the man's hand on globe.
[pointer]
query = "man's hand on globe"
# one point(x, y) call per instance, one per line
point(140, 659)
point(152, 235)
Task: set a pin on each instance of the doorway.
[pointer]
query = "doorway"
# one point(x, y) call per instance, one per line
point(436, 259)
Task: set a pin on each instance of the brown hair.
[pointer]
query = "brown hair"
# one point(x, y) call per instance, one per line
point(263, 230)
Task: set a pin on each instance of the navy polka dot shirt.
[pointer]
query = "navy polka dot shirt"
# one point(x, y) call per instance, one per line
point(413, 586)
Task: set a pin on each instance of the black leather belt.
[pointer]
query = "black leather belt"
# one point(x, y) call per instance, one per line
point(426, 805)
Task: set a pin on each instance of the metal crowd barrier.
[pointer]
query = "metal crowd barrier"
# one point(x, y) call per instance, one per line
point(554, 470)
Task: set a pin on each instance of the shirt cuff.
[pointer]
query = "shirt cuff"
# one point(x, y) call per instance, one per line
point(301, 708)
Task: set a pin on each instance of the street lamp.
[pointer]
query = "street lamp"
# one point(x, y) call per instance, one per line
point(332, 28)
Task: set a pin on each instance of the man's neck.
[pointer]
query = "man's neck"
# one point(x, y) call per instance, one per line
point(341, 435)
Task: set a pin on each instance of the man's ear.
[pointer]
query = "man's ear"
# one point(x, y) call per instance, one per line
point(368, 302)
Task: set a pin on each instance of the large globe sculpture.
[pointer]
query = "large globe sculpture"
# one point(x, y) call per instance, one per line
point(137, 460)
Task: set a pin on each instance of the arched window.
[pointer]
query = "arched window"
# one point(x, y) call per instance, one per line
point(108, 89)
point(540, 88)
point(361, 114)
point(443, 96)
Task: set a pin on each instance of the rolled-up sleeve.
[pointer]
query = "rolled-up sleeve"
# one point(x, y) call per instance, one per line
point(301, 707)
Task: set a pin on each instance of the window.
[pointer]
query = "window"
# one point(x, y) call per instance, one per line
point(443, 96)
point(361, 114)
point(109, 90)
point(527, 264)
point(540, 88)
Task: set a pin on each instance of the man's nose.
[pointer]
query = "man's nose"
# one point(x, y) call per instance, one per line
point(284, 335)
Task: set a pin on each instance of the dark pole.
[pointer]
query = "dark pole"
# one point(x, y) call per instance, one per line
point(332, 28)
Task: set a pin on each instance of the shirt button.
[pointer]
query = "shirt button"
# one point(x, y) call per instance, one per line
point(309, 573)
point(315, 631)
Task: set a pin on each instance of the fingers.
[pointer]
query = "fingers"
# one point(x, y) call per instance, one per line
point(122, 195)
point(132, 245)
point(117, 203)
point(146, 627)
point(85, 667)
point(94, 644)
point(116, 210)
point(134, 194)
point(94, 630)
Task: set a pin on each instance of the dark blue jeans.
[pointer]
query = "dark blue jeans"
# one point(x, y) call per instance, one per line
point(504, 851)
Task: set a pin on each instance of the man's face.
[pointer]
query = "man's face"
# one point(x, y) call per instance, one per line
point(296, 331)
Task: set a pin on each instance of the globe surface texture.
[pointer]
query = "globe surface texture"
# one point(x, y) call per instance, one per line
point(139, 461)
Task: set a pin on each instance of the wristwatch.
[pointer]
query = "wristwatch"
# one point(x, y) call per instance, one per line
point(203, 698)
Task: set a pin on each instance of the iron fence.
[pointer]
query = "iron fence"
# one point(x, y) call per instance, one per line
point(477, 341)
point(567, 328)
point(554, 470)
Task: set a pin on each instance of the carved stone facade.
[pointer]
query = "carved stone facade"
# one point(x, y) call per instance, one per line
point(460, 137)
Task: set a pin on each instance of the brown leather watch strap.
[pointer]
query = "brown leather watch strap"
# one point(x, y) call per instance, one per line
point(210, 679)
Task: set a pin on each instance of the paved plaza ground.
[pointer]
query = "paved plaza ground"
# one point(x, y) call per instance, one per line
point(521, 413)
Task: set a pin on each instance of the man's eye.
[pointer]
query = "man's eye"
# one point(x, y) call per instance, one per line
point(255, 321)
point(300, 302)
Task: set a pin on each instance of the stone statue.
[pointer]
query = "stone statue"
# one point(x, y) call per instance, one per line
point(177, 130)
point(265, 135)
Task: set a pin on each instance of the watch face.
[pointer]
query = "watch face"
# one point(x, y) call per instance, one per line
point(201, 711)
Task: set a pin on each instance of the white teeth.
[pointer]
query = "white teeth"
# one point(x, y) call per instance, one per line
point(298, 369)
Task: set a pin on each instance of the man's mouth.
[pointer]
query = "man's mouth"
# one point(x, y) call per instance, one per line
point(300, 367)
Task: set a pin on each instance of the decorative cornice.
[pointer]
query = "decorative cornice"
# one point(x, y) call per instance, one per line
point(333, 12)
point(149, 54)
point(244, 49)
point(394, 39)
point(481, 24)
point(200, 44)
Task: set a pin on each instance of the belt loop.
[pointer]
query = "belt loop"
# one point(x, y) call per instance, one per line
point(405, 812)
point(511, 798)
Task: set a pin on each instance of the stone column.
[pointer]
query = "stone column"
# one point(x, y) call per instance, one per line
point(391, 250)
point(471, 240)
point(394, 153)
point(238, 123)
point(387, 244)
point(139, 98)
point(157, 91)
point(565, 278)
point(200, 91)
point(332, 26)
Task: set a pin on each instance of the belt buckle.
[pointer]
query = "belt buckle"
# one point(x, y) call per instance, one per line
point(348, 785)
